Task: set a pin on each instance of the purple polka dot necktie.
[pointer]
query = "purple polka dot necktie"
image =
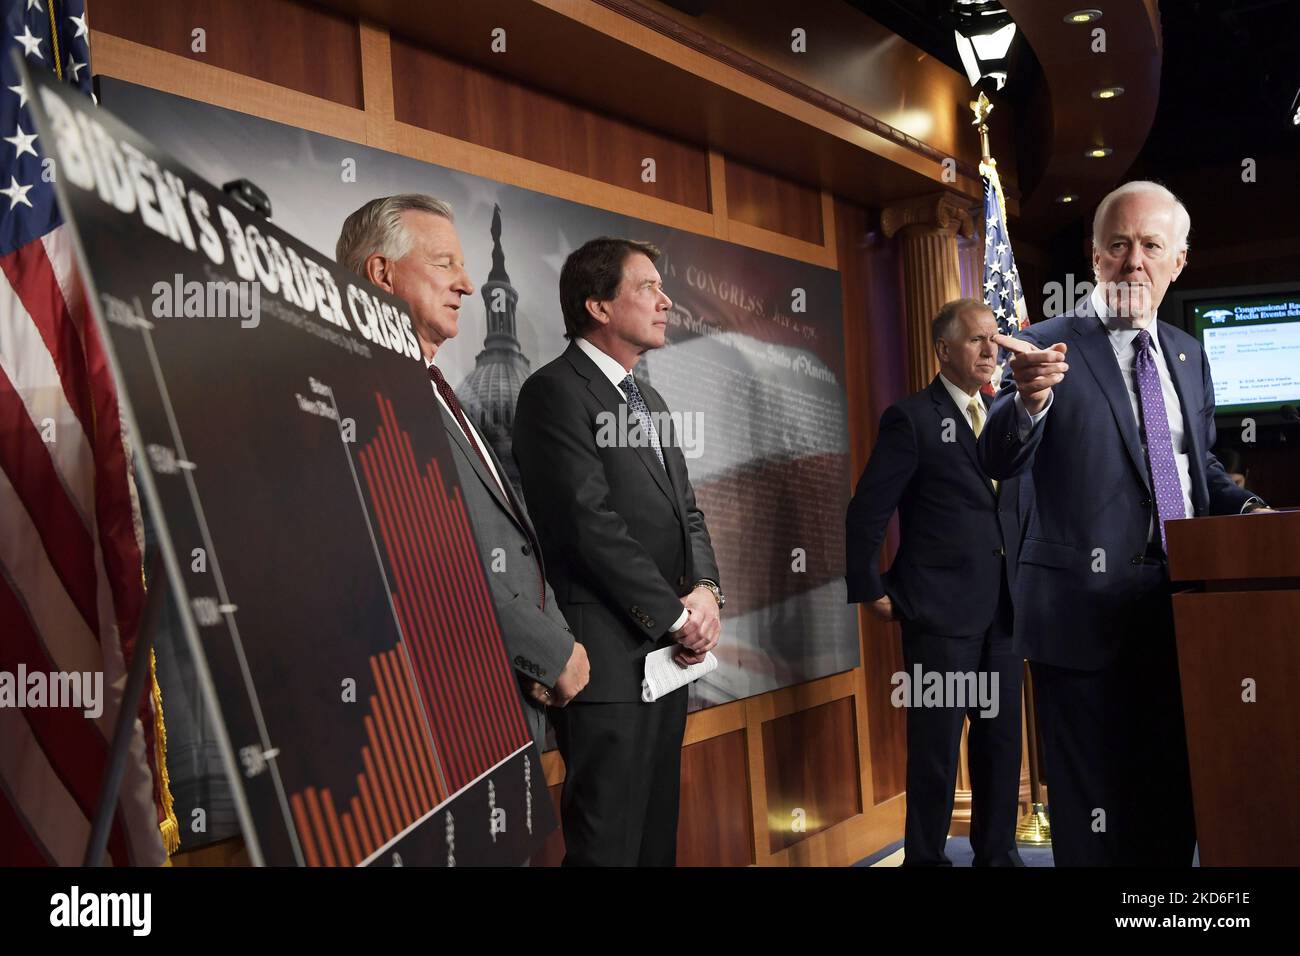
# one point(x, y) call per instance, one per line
point(1160, 446)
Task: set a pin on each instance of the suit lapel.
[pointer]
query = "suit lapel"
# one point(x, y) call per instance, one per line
point(1094, 345)
point(610, 399)
point(458, 439)
point(1185, 384)
point(944, 406)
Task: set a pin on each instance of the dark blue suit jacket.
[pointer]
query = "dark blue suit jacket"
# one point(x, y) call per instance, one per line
point(1080, 562)
point(956, 533)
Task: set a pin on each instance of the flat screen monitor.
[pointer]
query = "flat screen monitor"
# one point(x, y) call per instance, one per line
point(1252, 340)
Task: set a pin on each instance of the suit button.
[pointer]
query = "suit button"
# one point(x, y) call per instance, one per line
point(526, 550)
point(650, 622)
point(1136, 559)
point(1146, 502)
point(541, 672)
point(519, 660)
point(999, 552)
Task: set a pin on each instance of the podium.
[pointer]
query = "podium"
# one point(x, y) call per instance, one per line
point(1237, 615)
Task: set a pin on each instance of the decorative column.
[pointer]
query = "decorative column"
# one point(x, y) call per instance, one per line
point(927, 227)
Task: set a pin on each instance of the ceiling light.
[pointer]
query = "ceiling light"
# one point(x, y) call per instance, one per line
point(1066, 198)
point(1098, 152)
point(983, 31)
point(1108, 93)
point(1083, 16)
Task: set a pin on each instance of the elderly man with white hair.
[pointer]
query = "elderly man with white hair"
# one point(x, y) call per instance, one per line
point(1112, 412)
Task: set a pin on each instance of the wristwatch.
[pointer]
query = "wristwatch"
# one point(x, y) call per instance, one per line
point(714, 590)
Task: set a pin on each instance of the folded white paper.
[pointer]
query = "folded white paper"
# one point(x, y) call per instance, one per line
point(663, 675)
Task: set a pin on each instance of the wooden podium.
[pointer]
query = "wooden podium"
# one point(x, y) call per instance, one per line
point(1238, 624)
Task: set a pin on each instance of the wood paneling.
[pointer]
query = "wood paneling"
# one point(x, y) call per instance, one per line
point(773, 203)
point(715, 828)
point(1202, 549)
point(811, 762)
point(552, 851)
point(472, 104)
point(291, 44)
point(1245, 765)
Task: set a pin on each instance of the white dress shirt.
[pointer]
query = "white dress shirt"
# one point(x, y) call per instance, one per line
point(613, 370)
point(962, 400)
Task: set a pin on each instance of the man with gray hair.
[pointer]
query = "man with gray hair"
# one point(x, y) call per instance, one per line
point(407, 245)
point(949, 586)
point(1116, 449)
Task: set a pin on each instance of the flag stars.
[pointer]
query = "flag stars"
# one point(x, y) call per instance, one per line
point(1000, 248)
point(22, 94)
point(35, 5)
point(17, 193)
point(30, 44)
point(74, 69)
point(990, 285)
point(82, 29)
point(22, 142)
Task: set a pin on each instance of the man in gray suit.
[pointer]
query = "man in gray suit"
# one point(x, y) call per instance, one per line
point(407, 245)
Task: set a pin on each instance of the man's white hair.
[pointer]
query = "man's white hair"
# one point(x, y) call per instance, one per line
point(1182, 219)
point(378, 227)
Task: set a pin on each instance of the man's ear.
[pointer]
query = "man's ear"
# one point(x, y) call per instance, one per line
point(1180, 263)
point(379, 270)
point(596, 309)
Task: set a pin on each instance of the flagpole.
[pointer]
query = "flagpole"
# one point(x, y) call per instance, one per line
point(1034, 828)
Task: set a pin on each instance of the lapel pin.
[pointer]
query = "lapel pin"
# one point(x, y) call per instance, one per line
point(1182, 356)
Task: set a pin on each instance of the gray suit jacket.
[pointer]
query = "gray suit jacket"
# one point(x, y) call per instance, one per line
point(537, 638)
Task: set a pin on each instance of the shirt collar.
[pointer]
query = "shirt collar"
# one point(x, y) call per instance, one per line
point(609, 366)
point(959, 398)
point(1121, 338)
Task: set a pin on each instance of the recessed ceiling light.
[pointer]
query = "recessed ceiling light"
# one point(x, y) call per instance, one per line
point(1066, 198)
point(1098, 152)
point(1108, 92)
point(1083, 16)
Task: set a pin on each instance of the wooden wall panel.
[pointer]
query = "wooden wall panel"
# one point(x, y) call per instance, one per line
point(285, 42)
point(552, 851)
point(811, 762)
point(771, 202)
point(874, 358)
point(715, 827)
point(469, 103)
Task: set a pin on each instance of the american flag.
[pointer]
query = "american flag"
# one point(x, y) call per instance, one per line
point(71, 583)
point(1002, 291)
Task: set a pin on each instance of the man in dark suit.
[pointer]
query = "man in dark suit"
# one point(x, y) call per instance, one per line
point(1116, 448)
point(949, 585)
point(630, 555)
point(407, 245)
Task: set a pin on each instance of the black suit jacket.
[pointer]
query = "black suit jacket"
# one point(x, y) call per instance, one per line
point(623, 539)
point(957, 535)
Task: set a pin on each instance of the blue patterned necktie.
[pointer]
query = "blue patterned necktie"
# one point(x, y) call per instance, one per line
point(1160, 446)
point(638, 406)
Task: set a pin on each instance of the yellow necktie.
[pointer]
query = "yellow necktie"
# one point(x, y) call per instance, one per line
point(976, 411)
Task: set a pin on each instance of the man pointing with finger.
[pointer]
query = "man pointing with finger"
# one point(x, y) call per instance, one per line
point(1115, 421)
